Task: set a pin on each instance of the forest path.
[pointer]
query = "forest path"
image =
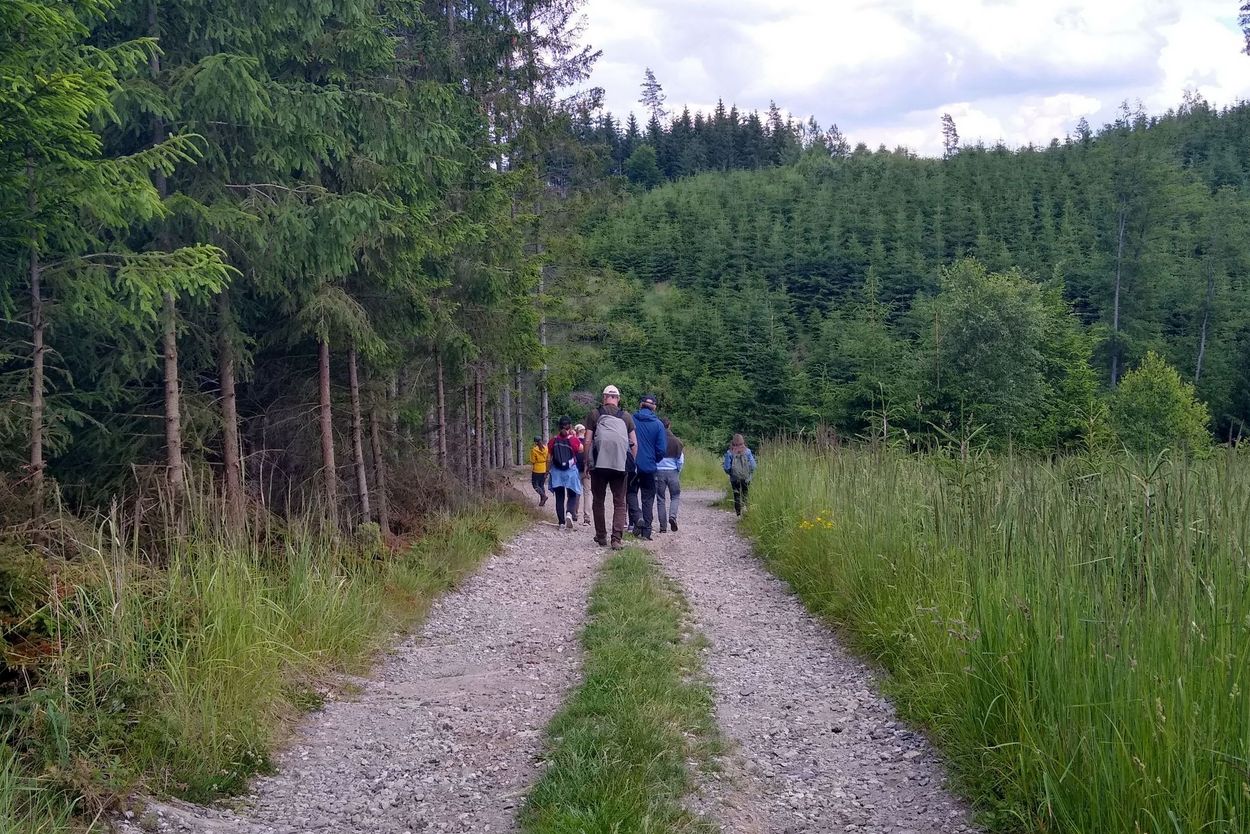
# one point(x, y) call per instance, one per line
point(446, 733)
point(813, 746)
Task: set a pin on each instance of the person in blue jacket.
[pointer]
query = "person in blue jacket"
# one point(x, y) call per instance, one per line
point(652, 444)
point(739, 465)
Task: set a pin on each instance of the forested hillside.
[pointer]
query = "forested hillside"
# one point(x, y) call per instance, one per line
point(823, 292)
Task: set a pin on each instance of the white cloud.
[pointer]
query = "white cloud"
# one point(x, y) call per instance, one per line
point(1018, 71)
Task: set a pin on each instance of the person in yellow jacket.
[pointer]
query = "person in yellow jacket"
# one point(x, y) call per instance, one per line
point(538, 462)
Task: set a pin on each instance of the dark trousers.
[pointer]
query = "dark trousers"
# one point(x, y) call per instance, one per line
point(560, 493)
point(538, 481)
point(740, 489)
point(600, 481)
point(640, 515)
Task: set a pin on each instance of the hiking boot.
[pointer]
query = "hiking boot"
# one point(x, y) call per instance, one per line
point(672, 523)
point(542, 500)
point(585, 519)
point(618, 545)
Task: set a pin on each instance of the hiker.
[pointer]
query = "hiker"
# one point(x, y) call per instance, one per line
point(652, 443)
point(668, 479)
point(538, 467)
point(566, 479)
point(582, 457)
point(610, 435)
point(739, 465)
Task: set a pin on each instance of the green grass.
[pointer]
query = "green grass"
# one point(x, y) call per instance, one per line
point(180, 679)
point(619, 749)
point(702, 470)
point(1075, 635)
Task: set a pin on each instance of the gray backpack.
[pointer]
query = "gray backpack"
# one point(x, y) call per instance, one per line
point(611, 444)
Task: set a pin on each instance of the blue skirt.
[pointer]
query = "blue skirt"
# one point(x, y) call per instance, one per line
point(569, 478)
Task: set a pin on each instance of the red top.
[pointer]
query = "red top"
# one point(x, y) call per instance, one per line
point(575, 443)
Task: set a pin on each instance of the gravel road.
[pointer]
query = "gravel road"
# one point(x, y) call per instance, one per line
point(814, 748)
point(445, 735)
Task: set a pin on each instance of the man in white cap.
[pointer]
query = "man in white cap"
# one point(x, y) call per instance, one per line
point(611, 438)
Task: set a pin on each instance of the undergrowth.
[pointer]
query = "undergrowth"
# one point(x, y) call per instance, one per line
point(178, 677)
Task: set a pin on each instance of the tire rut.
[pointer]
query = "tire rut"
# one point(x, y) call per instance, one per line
point(446, 733)
point(814, 747)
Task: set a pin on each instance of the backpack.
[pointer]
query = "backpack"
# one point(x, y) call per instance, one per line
point(561, 453)
point(611, 443)
point(740, 467)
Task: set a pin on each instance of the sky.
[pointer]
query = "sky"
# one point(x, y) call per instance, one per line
point(1016, 71)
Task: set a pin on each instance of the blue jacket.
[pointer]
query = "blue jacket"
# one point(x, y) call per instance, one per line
point(729, 456)
point(652, 439)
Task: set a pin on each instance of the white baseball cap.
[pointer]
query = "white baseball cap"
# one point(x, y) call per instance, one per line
point(612, 390)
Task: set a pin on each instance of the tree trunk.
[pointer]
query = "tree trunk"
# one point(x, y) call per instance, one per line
point(173, 413)
point(392, 394)
point(229, 414)
point(173, 406)
point(441, 406)
point(505, 420)
point(544, 408)
point(328, 473)
point(470, 474)
point(379, 472)
point(1206, 318)
point(520, 419)
point(1115, 305)
point(479, 422)
point(358, 446)
point(36, 355)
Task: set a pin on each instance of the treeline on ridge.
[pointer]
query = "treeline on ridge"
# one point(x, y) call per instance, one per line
point(837, 291)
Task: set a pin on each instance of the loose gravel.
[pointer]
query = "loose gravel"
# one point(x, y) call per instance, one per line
point(815, 748)
point(446, 734)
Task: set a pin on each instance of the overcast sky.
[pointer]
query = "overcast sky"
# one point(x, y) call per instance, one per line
point(885, 70)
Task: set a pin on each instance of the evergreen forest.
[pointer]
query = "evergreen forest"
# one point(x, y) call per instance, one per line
point(287, 288)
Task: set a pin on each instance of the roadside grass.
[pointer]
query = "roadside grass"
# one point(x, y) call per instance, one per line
point(702, 470)
point(1074, 635)
point(619, 750)
point(180, 679)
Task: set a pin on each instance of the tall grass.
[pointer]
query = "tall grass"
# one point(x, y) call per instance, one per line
point(180, 678)
point(1075, 636)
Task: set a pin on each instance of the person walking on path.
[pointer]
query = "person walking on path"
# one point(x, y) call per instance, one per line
point(538, 469)
point(584, 469)
point(566, 480)
point(610, 435)
point(739, 465)
point(652, 444)
point(668, 480)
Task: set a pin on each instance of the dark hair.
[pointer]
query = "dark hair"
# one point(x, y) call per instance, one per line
point(565, 422)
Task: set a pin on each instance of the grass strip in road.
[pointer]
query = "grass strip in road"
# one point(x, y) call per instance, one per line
point(619, 750)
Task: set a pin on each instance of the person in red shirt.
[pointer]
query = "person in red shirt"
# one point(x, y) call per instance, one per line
point(566, 480)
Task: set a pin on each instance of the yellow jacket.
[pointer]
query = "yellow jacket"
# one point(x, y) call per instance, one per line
point(538, 459)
